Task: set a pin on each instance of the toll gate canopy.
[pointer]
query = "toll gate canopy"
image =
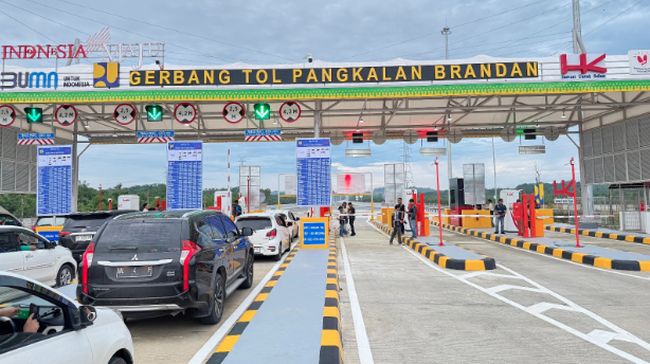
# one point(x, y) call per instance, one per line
point(105, 102)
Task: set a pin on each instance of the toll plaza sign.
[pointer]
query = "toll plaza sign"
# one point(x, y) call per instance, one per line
point(335, 75)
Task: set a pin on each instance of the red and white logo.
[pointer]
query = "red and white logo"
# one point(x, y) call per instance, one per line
point(584, 65)
point(639, 64)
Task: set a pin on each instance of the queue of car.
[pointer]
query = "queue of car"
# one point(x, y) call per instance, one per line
point(130, 265)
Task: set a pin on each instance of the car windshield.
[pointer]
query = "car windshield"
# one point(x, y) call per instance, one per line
point(89, 222)
point(141, 236)
point(255, 223)
point(50, 221)
point(8, 220)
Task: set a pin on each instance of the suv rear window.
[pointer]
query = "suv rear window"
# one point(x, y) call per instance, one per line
point(88, 222)
point(143, 236)
point(255, 223)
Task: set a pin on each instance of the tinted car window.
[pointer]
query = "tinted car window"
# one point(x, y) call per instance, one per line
point(218, 229)
point(8, 242)
point(229, 225)
point(88, 222)
point(145, 236)
point(205, 232)
point(255, 223)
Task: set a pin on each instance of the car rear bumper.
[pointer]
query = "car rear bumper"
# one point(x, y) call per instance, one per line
point(144, 304)
point(270, 248)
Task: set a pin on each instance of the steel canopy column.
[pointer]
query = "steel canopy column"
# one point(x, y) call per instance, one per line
point(75, 168)
point(586, 201)
point(318, 118)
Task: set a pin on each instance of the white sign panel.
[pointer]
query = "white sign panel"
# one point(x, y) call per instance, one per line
point(351, 183)
point(639, 62)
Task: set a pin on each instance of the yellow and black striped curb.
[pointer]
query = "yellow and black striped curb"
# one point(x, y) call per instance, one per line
point(631, 238)
point(442, 260)
point(596, 261)
point(226, 344)
point(331, 343)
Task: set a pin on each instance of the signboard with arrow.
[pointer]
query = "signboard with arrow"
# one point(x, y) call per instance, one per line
point(262, 111)
point(154, 112)
point(34, 115)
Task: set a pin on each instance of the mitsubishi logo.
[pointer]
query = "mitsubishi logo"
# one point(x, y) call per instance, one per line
point(135, 257)
point(584, 66)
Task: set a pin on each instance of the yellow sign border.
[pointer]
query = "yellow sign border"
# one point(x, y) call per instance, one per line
point(324, 220)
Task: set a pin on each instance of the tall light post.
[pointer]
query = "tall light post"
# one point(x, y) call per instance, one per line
point(445, 32)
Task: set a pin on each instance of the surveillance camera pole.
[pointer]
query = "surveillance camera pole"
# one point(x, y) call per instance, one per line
point(445, 32)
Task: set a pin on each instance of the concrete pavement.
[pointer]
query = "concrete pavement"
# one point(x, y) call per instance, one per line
point(531, 309)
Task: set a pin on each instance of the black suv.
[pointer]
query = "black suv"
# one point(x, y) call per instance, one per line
point(80, 228)
point(151, 263)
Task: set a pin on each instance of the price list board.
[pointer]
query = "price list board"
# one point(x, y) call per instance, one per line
point(54, 180)
point(313, 162)
point(184, 175)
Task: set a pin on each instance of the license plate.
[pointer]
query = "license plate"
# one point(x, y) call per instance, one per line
point(79, 238)
point(134, 272)
point(258, 250)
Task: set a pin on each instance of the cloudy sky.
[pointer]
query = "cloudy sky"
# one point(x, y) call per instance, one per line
point(281, 31)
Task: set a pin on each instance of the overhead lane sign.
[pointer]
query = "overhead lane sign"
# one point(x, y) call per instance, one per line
point(363, 74)
point(54, 180)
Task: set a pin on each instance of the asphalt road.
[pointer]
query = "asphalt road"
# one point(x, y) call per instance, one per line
point(531, 309)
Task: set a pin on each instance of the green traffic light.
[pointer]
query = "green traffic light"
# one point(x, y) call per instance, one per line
point(154, 112)
point(262, 111)
point(34, 114)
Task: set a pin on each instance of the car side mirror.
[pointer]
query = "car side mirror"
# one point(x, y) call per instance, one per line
point(50, 245)
point(246, 231)
point(88, 314)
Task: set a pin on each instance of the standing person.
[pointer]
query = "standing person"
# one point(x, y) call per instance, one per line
point(236, 210)
point(500, 210)
point(413, 218)
point(343, 218)
point(351, 218)
point(398, 222)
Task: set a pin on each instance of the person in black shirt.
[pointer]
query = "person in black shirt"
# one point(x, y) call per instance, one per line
point(398, 222)
point(351, 217)
point(500, 211)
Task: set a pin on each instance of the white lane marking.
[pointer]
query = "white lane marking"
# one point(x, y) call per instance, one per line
point(206, 350)
point(363, 344)
point(616, 332)
point(559, 259)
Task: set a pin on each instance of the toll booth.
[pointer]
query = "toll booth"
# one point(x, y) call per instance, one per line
point(457, 202)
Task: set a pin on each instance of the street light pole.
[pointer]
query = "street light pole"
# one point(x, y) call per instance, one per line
point(445, 32)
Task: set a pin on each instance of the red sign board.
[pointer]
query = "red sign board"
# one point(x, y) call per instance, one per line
point(584, 66)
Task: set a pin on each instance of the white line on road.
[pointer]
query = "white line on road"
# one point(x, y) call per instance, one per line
point(204, 352)
point(363, 344)
point(614, 331)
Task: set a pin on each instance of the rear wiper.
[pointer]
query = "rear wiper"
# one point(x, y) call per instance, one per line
point(123, 247)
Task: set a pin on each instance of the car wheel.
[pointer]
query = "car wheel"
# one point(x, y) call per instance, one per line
point(248, 283)
point(217, 302)
point(278, 256)
point(117, 360)
point(64, 276)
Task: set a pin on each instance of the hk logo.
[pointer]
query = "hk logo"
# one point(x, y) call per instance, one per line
point(567, 189)
point(584, 66)
point(642, 59)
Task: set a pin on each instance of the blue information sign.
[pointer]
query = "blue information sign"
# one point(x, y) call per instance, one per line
point(313, 169)
point(184, 175)
point(54, 180)
point(314, 233)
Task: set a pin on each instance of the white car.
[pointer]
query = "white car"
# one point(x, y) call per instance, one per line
point(293, 222)
point(24, 252)
point(63, 332)
point(271, 236)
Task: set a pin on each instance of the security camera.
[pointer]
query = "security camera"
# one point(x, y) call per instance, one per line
point(310, 59)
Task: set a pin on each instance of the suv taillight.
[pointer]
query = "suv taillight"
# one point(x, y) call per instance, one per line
point(86, 260)
point(187, 252)
point(272, 234)
point(63, 233)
